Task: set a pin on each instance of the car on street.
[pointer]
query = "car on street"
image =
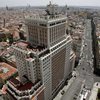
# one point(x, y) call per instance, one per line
point(62, 92)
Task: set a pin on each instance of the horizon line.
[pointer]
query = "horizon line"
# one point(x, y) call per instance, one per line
point(45, 6)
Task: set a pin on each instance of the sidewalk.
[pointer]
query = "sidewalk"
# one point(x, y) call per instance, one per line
point(94, 91)
point(65, 88)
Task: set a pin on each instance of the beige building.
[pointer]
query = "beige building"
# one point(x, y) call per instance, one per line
point(46, 57)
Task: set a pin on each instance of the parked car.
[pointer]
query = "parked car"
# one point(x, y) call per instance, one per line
point(62, 92)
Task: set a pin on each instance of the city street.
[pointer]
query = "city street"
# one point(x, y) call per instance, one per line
point(49, 50)
point(84, 68)
point(73, 90)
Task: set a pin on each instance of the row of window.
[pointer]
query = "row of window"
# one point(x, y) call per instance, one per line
point(35, 24)
point(57, 41)
point(57, 22)
point(58, 46)
point(46, 67)
point(58, 50)
point(56, 32)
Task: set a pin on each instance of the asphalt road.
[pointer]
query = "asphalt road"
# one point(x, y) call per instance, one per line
point(84, 68)
point(74, 90)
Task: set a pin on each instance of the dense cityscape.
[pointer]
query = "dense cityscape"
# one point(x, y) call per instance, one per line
point(49, 53)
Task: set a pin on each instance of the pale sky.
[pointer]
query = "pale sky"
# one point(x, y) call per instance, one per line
point(3, 3)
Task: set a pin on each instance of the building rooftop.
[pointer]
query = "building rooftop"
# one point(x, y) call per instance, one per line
point(22, 45)
point(26, 46)
point(3, 91)
point(6, 52)
point(52, 13)
point(24, 90)
point(22, 87)
point(18, 85)
point(46, 18)
point(6, 70)
point(4, 44)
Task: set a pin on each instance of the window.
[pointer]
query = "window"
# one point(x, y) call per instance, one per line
point(52, 24)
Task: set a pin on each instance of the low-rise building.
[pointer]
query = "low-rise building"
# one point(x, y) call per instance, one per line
point(6, 72)
point(7, 56)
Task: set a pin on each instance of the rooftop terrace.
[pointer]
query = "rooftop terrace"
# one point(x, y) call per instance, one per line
point(28, 47)
point(18, 85)
point(22, 87)
point(24, 91)
point(45, 18)
point(6, 70)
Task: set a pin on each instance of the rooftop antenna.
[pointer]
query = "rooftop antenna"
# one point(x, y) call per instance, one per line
point(50, 2)
point(4, 22)
point(7, 7)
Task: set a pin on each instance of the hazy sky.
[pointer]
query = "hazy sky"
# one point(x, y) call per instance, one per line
point(45, 2)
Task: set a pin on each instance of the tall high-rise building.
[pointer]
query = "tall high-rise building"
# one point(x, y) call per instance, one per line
point(46, 60)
